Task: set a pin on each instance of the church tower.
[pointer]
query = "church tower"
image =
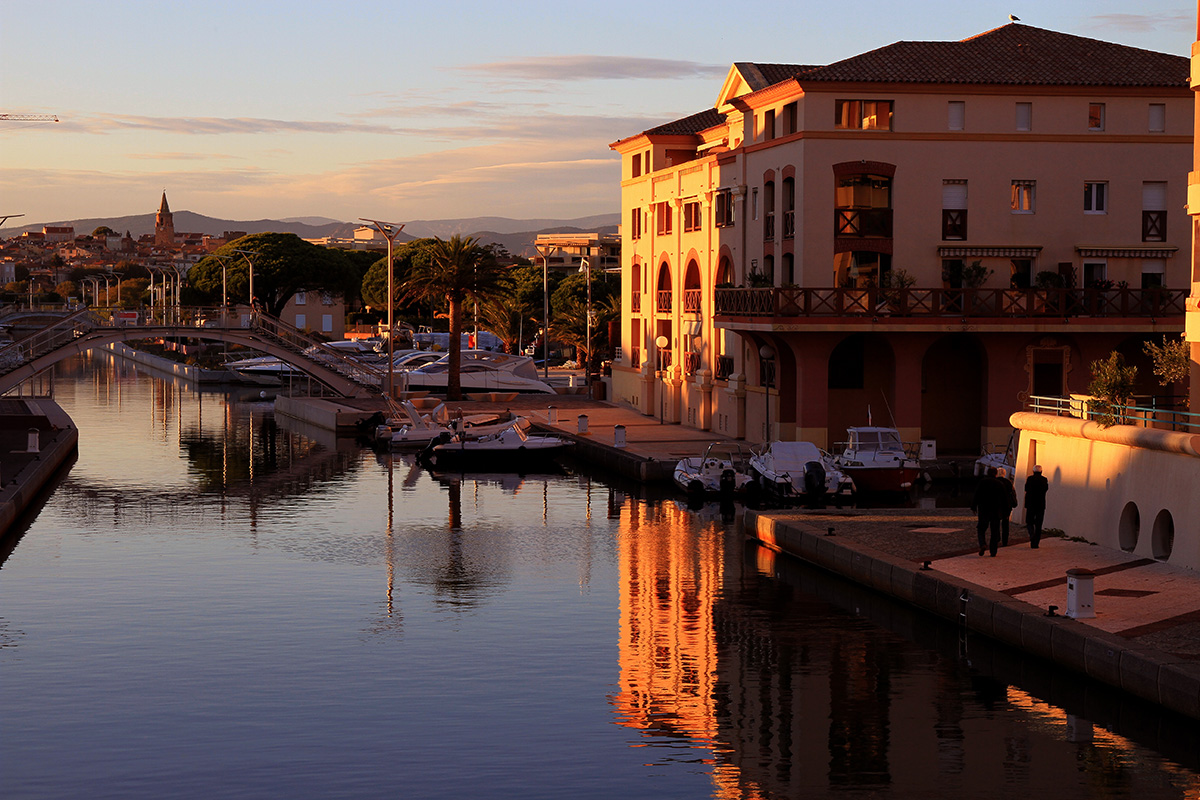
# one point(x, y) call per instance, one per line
point(164, 225)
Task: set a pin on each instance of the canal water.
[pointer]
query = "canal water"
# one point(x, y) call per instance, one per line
point(214, 604)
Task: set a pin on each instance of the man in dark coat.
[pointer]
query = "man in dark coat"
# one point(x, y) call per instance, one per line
point(1036, 487)
point(991, 503)
point(1007, 479)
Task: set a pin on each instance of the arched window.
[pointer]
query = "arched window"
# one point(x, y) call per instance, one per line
point(725, 276)
point(789, 208)
point(664, 287)
point(769, 211)
point(635, 289)
point(691, 288)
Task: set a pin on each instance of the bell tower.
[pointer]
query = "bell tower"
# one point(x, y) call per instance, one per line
point(164, 225)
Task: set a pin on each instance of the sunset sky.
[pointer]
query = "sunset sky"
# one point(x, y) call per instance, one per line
point(407, 111)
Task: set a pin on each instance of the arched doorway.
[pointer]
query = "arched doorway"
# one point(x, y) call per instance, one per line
point(862, 382)
point(953, 378)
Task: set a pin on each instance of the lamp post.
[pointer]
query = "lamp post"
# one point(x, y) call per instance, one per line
point(545, 254)
point(390, 231)
point(766, 352)
point(117, 277)
point(246, 255)
point(661, 343)
point(587, 368)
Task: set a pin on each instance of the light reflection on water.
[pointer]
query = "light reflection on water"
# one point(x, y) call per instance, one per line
point(211, 604)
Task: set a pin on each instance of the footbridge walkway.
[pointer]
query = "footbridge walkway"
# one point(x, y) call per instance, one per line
point(79, 331)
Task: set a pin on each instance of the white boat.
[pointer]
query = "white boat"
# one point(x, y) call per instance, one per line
point(1000, 459)
point(724, 469)
point(420, 429)
point(511, 449)
point(799, 471)
point(481, 371)
point(877, 460)
point(263, 370)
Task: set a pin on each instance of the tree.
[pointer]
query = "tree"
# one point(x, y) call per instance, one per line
point(570, 326)
point(1172, 360)
point(459, 269)
point(405, 258)
point(283, 265)
point(1111, 389)
point(104, 230)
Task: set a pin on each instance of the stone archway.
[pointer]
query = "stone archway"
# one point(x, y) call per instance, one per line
point(862, 381)
point(953, 388)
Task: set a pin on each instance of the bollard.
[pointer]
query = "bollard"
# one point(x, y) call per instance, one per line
point(583, 420)
point(33, 445)
point(552, 414)
point(619, 437)
point(1080, 594)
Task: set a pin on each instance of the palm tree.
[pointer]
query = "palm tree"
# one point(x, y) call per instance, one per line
point(570, 326)
point(459, 269)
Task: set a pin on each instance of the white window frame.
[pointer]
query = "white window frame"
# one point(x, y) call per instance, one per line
point(1097, 111)
point(1157, 118)
point(1024, 197)
point(1095, 197)
point(956, 115)
point(1024, 116)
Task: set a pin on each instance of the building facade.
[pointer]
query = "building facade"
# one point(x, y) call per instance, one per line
point(926, 234)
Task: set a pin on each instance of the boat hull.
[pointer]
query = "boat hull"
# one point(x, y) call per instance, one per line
point(881, 480)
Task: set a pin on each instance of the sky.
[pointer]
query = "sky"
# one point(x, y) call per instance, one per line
point(404, 110)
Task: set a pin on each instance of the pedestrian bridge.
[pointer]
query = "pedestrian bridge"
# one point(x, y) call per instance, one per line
point(86, 329)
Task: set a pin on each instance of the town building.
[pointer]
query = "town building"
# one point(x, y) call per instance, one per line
point(567, 251)
point(926, 234)
point(164, 225)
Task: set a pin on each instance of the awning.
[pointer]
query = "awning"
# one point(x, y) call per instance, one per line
point(692, 328)
point(963, 251)
point(1134, 251)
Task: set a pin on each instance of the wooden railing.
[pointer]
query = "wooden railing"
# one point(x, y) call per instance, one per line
point(1007, 303)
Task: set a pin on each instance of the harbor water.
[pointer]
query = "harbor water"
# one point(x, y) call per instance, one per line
point(214, 603)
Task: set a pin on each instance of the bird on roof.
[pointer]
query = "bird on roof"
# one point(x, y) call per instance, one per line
point(1013, 18)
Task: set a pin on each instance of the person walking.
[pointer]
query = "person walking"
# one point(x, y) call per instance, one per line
point(1006, 514)
point(990, 503)
point(1036, 487)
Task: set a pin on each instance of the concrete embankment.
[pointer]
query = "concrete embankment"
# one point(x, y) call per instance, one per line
point(1143, 641)
point(36, 438)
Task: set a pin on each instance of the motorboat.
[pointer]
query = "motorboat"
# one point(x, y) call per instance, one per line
point(420, 429)
point(997, 458)
point(878, 461)
point(511, 449)
point(799, 472)
point(481, 371)
point(723, 470)
point(263, 370)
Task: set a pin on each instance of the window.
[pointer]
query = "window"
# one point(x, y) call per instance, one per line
point(863, 206)
point(1020, 273)
point(956, 115)
point(637, 165)
point(954, 210)
point(789, 208)
point(754, 204)
point(1095, 116)
point(663, 218)
point(769, 125)
point(789, 268)
point(635, 289)
point(327, 323)
point(1152, 272)
point(691, 215)
point(635, 223)
point(723, 209)
point(866, 115)
point(1022, 196)
point(769, 211)
point(790, 118)
point(326, 299)
point(1158, 117)
point(301, 298)
point(1095, 198)
point(1024, 116)
point(300, 321)
point(1094, 272)
point(1154, 211)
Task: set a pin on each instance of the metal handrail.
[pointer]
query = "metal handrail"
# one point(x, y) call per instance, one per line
point(1140, 416)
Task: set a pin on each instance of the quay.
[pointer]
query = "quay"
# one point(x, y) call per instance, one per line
point(37, 439)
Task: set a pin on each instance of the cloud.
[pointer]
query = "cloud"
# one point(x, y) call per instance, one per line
point(189, 156)
point(1143, 23)
point(109, 123)
point(588, 68)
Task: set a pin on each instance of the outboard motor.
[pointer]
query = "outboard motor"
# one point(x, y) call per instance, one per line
point(426, 455)
point(728, 482)
point(814, 484)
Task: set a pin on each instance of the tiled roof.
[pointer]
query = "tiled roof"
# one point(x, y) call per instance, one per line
point(1015, 55)
point(689, 125)
point(760, 76)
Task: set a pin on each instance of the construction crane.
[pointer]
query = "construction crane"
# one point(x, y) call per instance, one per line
point(28, 118)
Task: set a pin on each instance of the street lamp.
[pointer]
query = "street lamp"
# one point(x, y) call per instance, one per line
point(587, 369)
point(390, 231)
point(766, 352)
point(545, 254)
point(661, 343)
point(246, 255)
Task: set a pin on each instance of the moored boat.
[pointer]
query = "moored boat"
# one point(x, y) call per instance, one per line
point(878, 461)
point(723, 470)
point(511, 449)
point(799, 472)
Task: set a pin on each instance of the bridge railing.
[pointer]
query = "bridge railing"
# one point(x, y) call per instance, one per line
point(50, 338)
point(314, 350)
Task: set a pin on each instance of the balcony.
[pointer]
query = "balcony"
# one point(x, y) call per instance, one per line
point(635, 303)
point(691, 363)
point(724, 368)
point(992, 303)
point(769, 227)
point(664, 300)
point(789, 224)
point(664, 359)
point(863, 223)
point(691, 301)
point(635, 356)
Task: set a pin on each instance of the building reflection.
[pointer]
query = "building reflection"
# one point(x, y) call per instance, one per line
point(792, 683)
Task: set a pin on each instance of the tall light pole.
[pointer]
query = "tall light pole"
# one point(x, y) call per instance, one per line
point(587, 368)
point(390, 231)
point(766, 353)
point(246, 255)
point(545, 254)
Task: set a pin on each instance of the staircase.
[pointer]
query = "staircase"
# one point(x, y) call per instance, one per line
point(312, 351)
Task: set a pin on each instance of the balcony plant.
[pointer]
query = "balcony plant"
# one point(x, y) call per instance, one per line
point(1111, 390)
point(893, 285)
point(759, 281)
point(1048, 284)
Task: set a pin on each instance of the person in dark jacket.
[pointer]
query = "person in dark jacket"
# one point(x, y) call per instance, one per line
point(1036, 487)
point(1006, 479)
point(991, 504)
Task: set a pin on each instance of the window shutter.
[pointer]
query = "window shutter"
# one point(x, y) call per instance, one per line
point(1154, 196)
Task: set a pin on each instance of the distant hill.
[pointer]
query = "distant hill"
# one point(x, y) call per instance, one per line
point(515, 235)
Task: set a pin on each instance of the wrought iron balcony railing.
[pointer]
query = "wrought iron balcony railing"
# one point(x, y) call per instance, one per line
point(691, 301)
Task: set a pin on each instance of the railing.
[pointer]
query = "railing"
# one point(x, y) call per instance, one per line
point(769, 227)
point(863, 222)
point(635, 302)
point(724, 368)
point(635, 356)
point(664, 359)
point(691, 363)
point(1153, 415)
point(664, 300)
point(789, 224)
point(1003, 303)
point(691, 301)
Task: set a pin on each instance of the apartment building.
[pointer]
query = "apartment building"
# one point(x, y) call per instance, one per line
point(928, 233)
